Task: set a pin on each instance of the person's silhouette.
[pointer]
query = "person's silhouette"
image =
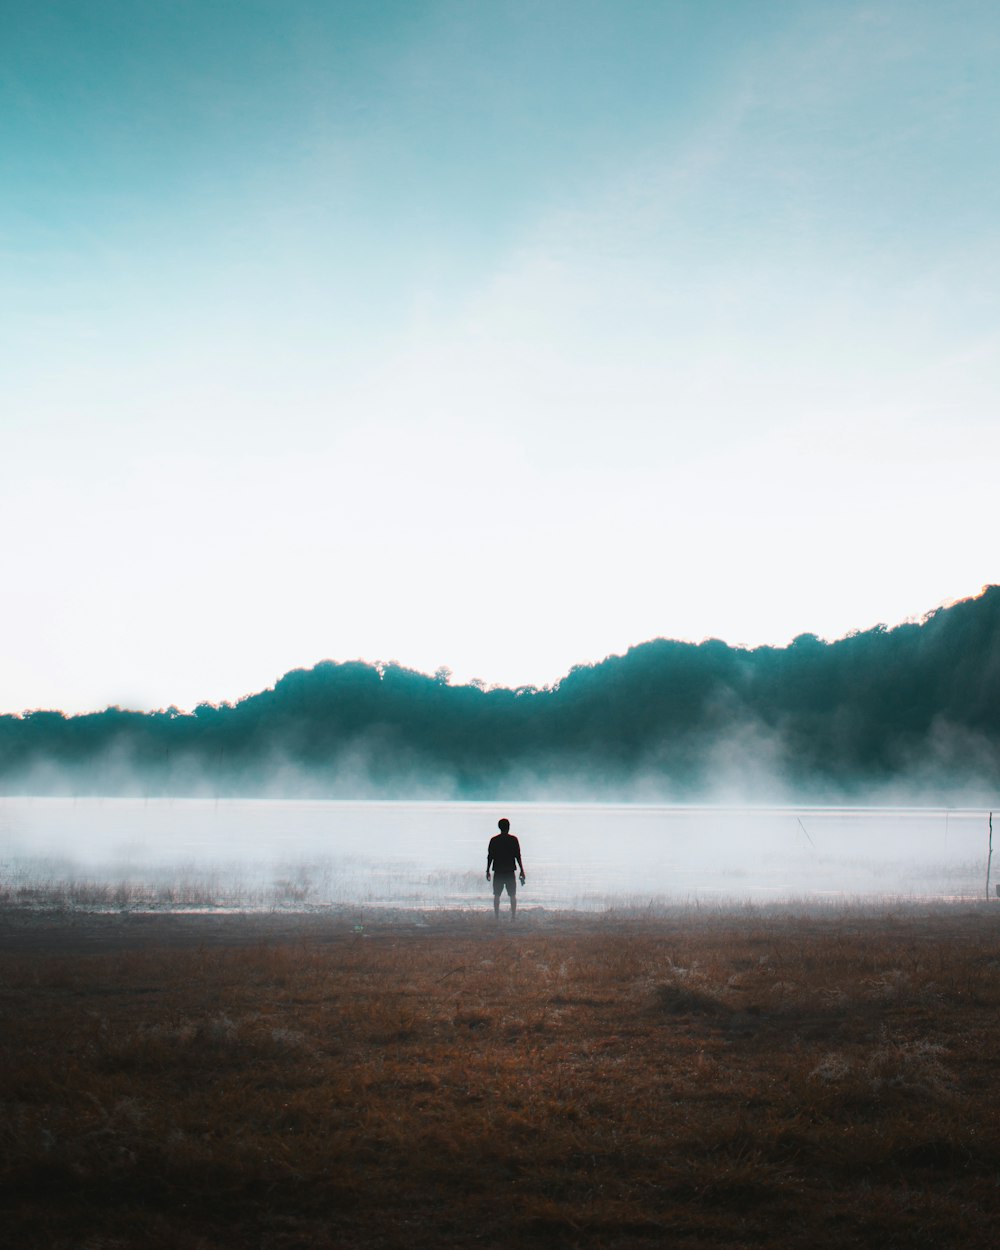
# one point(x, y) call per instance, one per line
point(503, 854)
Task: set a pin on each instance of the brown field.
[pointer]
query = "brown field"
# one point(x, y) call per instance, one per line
point(695, 1079)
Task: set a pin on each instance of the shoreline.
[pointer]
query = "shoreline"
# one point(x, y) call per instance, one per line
point(67, 931)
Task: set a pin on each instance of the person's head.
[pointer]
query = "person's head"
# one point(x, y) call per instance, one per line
point(503, 824)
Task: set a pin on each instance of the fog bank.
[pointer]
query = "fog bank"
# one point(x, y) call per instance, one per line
point(176, 853)
point(906, 715)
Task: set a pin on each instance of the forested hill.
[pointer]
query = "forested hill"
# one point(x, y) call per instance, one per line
point(912, 711)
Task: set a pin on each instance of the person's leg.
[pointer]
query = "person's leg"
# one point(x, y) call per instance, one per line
point(497, 891)
point(512, 891)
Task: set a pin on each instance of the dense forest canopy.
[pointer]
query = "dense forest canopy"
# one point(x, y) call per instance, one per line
point(907, 712)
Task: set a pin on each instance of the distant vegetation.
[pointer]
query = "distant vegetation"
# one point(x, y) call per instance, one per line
point(914, 709)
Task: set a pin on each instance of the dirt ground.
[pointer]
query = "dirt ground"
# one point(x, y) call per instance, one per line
point(68, 931)
point(755, 1077)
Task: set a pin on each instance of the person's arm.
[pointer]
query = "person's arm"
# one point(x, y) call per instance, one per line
point(517, 856)
point(489, 859)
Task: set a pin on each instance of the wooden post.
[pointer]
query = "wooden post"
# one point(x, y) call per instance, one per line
point(989, 858)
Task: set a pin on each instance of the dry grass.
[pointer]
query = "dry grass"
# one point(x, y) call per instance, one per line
point(38, 893)
point(692, 1081)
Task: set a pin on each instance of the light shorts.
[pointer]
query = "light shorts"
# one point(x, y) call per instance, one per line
point(503, 880)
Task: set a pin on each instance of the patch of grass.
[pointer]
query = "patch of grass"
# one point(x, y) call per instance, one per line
point(40, 887)
point(693, 1080)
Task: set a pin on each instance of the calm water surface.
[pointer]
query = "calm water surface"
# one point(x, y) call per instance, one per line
point(293, 853)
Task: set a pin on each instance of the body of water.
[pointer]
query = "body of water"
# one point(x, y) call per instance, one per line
point(263, 853)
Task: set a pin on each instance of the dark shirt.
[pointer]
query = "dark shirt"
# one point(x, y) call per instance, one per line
point(504, 851)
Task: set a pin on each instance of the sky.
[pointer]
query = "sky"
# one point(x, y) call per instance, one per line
point(498, 335)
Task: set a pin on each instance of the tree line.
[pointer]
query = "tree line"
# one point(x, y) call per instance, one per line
point(915, 704)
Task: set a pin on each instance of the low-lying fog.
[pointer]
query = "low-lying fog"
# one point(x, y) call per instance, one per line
point(261, 853)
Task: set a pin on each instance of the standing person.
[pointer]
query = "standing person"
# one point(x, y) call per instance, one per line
point(503, 853)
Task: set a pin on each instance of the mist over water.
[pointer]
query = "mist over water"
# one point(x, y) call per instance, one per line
point(277, 853)
point(903, 716)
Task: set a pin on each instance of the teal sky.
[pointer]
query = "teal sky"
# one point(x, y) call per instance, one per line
point(491, 335)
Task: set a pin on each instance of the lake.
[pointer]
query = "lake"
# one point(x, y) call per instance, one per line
point(281, 853)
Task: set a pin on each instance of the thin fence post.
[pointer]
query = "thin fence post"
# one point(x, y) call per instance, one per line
point(989, 858)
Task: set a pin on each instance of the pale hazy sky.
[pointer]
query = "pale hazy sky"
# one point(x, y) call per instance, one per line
point(499, 335)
